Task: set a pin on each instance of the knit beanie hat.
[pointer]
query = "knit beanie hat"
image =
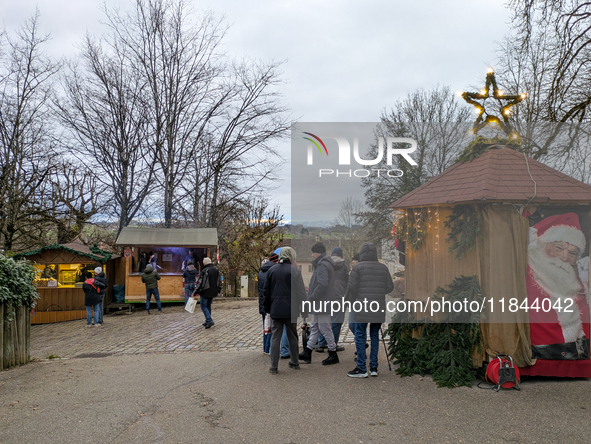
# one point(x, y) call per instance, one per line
point(274, 258)
point(337, 252)
point(98, 270)
point(318, 247)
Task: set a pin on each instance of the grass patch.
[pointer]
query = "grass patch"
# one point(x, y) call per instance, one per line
point(53, 357)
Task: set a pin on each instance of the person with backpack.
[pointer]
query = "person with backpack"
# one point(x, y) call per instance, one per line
point(209, 285)
point(92, 298)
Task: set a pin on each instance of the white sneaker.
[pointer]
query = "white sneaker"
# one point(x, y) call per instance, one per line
point(373, 372)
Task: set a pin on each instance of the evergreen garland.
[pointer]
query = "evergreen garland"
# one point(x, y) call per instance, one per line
point(464, 229)
point(97, 254)
point(412, 227)
point(442, 349)
point(481, 145)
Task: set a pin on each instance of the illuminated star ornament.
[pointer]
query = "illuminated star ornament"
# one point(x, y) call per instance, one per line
point(505, 102)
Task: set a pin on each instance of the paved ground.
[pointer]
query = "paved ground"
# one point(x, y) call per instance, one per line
point(170, 393)
point(238, 327)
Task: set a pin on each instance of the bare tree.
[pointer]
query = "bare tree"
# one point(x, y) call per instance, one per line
point(178, 60)
point(438, 122)
point(26, 140)
point(103, 108)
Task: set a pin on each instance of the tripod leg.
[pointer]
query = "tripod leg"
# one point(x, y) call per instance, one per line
point(385, 349)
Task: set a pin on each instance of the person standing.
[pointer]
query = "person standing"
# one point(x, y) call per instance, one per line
point(190, 257)
point(262, 277)
point(283, 294)
point(369, 282)
point(92, 298)
point(341, 278)
point(209, 285)
point(190, 276)
point(151, 278)
point(99, 276)
point(321, 290)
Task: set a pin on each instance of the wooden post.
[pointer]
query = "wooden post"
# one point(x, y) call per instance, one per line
point(8, 340)
point(1, 336)
point(27, 335)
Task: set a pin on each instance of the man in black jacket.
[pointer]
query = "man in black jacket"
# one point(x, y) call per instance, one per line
point(92, 298)
point(369, 282)
point(284, 293)
point(320, 295)
point(209, 285)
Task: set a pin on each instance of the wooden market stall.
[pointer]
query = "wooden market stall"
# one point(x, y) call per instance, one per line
point(60, 274)
point(170, 246)
point(512, 209)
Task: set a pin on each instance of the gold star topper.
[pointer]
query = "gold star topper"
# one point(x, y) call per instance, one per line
point(505, 102)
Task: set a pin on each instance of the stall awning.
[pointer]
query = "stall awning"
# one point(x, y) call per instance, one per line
point(168, 237)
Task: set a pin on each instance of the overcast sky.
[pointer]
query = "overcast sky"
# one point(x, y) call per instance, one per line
point(345, 61)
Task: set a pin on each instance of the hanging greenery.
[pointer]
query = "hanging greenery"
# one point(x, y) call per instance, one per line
point(464, 229)
point(481, 145)
point(411, 227)
point(440, 349)
point(96, 253)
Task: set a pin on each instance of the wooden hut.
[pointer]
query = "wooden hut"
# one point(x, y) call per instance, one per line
point(170, 247)
point(60, 274)
point(511, 196)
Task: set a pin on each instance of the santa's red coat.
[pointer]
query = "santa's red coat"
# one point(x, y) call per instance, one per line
point(545, 329)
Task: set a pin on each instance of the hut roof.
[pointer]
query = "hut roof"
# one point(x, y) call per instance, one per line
point(93, 252)
point(168, 237)
point(501, 174)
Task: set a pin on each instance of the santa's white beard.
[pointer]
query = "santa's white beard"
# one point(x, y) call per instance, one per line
point(559, 280)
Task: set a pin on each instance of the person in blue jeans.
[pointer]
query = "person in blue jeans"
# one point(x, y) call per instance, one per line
point(92, 298)
point(208, 286)
point(369, 282)
point(150, 277)
point(262, 277)
point(360, 342)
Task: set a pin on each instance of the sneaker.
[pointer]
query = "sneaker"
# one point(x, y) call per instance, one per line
point(147, 311)
point(88, 325)
point(294, 366)
point(97, 325)
point(204, 324)
point(159, 312)
point(357, 373)
point(320, 349)
point(285, 357)
point(273, 370)
point(373, 372)
point(340, 348)
point(208, 325)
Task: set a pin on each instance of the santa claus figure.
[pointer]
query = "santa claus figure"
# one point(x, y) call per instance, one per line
point(559, 309)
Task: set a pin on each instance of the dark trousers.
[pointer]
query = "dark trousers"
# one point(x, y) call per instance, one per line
point(292, 338)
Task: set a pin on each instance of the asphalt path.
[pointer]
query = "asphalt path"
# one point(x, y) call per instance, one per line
point(230, 396)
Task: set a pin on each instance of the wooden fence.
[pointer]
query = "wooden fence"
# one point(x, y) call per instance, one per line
point(15, 336)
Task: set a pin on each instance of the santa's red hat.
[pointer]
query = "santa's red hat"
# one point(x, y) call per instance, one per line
point(560, 228)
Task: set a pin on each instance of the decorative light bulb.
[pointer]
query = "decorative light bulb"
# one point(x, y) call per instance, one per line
point(490, 71)
point(483, 92)
point(523, 95)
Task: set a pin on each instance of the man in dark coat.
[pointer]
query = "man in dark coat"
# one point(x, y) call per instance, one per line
point(151, 278)
point(92, 298)
point(341, 278)
point(283, 294)
point(369, 282)
point(320, 294)
point(99, 276)
point(190, 276)
point(211, 279)
point(273, 260)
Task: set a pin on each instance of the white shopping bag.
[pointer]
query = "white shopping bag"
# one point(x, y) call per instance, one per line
point(191, 303)
point(267, 324)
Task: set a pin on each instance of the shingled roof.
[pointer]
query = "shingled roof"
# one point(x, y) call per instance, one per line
point(501, 174)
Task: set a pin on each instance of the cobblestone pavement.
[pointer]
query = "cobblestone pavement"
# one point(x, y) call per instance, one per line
point(238, 326)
